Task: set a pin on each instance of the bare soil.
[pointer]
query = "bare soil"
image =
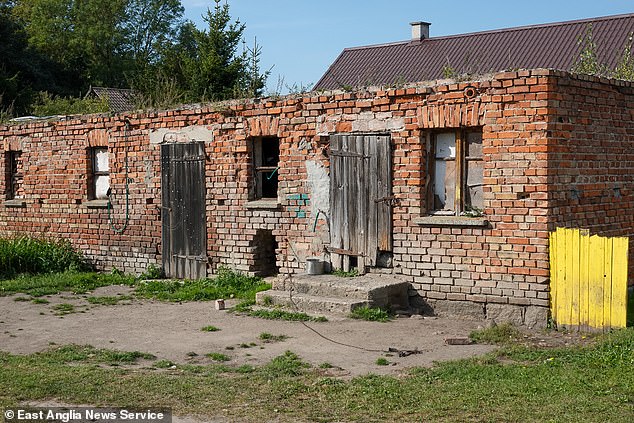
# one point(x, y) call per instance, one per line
point(172, 331)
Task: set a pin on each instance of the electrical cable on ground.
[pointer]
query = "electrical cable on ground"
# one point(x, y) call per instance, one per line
point(289, 277)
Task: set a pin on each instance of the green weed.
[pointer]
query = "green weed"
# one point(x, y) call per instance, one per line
point(267, 337)
point(63, 309)
point(218, 356)
point(40, 301)
point(373, 314)
point(499, 334)
point(227, 284)
point(106, 300)
point(210, 328)
point(288, 364)
point(382, 361)
point(349, 274)
point(285, 315)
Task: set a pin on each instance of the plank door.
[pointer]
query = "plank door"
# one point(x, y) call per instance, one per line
point(360, 200)
point(183, 210)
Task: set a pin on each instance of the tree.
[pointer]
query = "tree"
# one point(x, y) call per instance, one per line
point(149, 25)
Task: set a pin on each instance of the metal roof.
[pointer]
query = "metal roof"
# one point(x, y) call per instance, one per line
point(119, 99)
point(551, 46)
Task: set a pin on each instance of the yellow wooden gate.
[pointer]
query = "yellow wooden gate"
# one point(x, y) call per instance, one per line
point(588, 280)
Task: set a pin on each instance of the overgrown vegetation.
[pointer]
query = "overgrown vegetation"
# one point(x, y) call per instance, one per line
point(515, 384)
point(372, 314)
point(36, 256)
point(227, 284)
point(49, 105)
point(108, 300)
point(589, 62)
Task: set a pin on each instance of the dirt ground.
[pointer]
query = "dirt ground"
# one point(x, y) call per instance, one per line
point(172, 331)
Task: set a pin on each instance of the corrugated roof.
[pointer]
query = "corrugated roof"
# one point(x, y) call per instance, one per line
point(119, 99)
point(552, 46)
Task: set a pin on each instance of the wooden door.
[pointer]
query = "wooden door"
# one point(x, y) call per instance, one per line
point(183, 210)
point(360, 200)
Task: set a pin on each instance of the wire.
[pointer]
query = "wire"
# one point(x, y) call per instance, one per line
point(289, 277)
point(122, 229)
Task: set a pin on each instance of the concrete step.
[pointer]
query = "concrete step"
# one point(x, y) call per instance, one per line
point(381, 290)
point(309, 303)
point(337, 295)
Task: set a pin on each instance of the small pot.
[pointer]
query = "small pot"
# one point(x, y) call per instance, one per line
point(314, 266)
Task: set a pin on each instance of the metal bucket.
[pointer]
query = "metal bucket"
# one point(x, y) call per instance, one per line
point(314, 266)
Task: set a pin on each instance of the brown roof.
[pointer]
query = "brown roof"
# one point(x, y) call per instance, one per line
point(119, 99)
point(552, 46)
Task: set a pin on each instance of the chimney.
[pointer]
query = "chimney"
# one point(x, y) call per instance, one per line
point(420, 30)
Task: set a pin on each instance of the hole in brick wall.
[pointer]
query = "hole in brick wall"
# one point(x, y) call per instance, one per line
point(221, 202)
point(523, 195)
point(264, 246)
point(384, 259)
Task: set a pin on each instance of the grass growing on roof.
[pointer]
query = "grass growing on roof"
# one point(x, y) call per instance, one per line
point(228, 283)
point(515, 384)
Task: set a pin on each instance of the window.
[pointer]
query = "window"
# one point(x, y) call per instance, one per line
point(456, 170)
point(14, 175)
point(100, 177)
point(266, 158)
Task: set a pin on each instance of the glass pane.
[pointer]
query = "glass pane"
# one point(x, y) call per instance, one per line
point(474, 144)
point(101, 160)
point(475, 177)
point(444, 184)
point(102, 184)
point(446, 146)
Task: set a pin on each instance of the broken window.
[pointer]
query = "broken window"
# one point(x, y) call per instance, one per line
point(100, 177)
point(266, 158)
point(456, 172)
point(14, 175)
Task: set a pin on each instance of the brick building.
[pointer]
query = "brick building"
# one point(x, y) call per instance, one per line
point(459, 184)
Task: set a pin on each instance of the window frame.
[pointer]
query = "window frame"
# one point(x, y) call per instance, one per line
point(260, 171)
point(13, 172)
point(461, 159)
point(94, 173)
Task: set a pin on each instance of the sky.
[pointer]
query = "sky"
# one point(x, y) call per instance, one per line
point(301, 38)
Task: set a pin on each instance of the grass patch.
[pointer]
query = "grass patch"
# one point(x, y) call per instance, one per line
point(228, 284)
point(218, 356)
point(40, 301)
point(210, 328)
point(267, 337)
point(63, 309)
point(373, 314)
point(106, 300)
point(382, 361)
point(578, 384)
point(54, 283)
point(35, 256)
point(502, 334)
point(285, 315)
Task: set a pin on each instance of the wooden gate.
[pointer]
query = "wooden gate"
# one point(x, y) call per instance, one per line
point(588, 280)
point(360, 200)
point(183, 210)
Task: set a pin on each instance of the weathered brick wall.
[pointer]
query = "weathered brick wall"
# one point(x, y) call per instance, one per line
point(499, 270)
point(591, 156)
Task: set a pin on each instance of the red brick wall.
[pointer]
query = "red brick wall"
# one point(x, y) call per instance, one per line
point(537, 126)
point(591, 156)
